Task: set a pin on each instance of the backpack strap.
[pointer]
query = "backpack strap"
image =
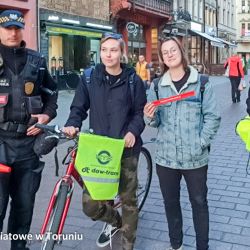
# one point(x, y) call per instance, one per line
point(156, 87)
point(132, 87)
point(203, 81)
point(87, 73)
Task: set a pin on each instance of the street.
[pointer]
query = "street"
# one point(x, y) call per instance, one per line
point(228, 188)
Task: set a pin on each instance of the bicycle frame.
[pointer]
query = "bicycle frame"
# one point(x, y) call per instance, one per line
point(67, 180)
point(70, 172)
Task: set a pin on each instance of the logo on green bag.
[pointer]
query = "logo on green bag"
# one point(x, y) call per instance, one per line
point(104, 157)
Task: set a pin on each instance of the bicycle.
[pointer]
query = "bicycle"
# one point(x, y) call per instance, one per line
point(61, 197)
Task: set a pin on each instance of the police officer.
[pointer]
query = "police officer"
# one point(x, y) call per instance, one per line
point(27, 95)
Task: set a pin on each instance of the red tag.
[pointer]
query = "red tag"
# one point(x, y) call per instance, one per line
point(4, 168)
point(173, 98)
point(3, 99)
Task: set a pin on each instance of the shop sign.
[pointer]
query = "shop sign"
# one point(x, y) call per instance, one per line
point(74, 32)
point(196, 26)
point(131, 27)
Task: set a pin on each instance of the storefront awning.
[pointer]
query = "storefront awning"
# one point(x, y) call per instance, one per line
point(214, 41)
point(231, 45)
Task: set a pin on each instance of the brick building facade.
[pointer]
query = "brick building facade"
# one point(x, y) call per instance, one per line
point(98, 9)
point(140, 22)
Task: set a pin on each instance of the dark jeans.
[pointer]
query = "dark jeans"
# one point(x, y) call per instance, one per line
point(235, 81)
point(21, 186)
point(197, 189)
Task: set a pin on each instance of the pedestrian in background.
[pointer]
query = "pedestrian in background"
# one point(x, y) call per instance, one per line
point(185, 130)
point(23, 77)
point(114, 112)
point(236, 72)
point(143, 70)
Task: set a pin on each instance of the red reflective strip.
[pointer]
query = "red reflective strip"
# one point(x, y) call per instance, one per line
point(4, 168)
point(173, 98)
point(3, 99)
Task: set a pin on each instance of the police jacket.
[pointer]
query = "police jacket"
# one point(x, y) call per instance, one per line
point(113, 110)
point(23, 80)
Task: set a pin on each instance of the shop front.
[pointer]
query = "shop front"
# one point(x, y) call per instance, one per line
point(139, 23)
point(203, 48)
point(70, 43)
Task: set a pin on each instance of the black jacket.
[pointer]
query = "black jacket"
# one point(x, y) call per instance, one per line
point(112, 111)
point(15, 59)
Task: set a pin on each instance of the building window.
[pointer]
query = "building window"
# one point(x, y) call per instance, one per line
point(243, 27)
point(243, 6)
point(136, 44)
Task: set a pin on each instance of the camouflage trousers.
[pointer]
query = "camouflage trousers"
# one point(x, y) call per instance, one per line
point(103, 211)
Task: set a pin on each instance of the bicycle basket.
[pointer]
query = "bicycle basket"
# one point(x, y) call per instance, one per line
point(98, 161)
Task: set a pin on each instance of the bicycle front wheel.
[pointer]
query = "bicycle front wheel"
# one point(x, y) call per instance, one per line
point(144, 176)
point(50, 236)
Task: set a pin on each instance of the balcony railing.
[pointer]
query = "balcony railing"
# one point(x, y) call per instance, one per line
point(158, 6)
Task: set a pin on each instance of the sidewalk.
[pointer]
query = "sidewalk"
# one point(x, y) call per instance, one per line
point(229, 193)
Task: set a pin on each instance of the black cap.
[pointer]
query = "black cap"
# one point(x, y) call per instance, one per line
point(12, 18)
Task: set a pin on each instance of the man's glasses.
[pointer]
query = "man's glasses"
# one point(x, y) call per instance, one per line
point(112, 35)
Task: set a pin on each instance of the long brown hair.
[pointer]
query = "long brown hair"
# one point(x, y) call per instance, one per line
point(163, 66)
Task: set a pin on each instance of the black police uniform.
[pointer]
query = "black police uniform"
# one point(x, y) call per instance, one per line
point(23, 77)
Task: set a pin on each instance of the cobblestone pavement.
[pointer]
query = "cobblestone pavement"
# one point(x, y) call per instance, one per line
point(229, 196)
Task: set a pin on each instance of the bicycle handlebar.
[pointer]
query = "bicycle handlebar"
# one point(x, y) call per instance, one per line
point(53, 129)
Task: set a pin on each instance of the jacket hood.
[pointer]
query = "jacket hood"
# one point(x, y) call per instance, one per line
point(126, 71)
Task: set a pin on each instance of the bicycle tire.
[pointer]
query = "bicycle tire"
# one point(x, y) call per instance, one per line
point(48, 244)
point(146, 186)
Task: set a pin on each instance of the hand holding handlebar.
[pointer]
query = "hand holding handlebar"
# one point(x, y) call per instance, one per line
point(70, 131)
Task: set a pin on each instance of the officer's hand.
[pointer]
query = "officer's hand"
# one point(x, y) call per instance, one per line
point(129, 140)
point(42, 119)
point(70, 131)
point(149, 110)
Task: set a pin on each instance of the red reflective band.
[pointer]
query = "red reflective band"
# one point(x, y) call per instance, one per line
point(3, 99)
point(4, 168)
point(173, 98)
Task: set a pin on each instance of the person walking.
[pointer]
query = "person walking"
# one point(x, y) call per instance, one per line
point(143, 70)
point(116, 111)
point(185, 130)
point(23, 75)
point(236, 72)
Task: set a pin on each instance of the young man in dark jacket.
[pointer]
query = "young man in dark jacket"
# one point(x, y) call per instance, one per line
point(117, 112)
